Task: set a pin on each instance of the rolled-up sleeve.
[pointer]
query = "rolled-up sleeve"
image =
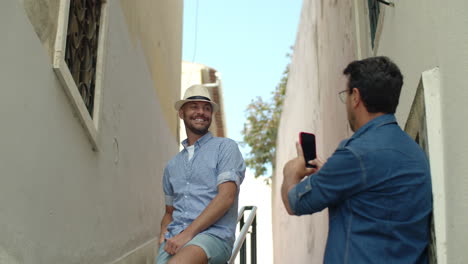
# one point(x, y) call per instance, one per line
point(297, 192)
point(167, 187)
point(231, 165)
point(340, 177)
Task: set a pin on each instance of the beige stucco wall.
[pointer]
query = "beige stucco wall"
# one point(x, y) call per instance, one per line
point(191, 74)
point(157, 27)
point(324, 45)
point(420, 35)
point(61, 202)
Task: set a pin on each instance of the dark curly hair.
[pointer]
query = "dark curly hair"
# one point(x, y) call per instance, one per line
point(379, 81)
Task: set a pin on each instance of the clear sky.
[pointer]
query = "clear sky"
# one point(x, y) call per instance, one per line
point(246, 41)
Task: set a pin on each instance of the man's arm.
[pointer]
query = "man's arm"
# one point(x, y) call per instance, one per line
point(227, 193)
point(166, 220)
point(294, 171)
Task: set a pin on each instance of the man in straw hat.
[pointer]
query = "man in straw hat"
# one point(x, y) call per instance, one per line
point(201, 185)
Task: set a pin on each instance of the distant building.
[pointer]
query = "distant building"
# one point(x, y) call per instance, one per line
point(428, 41)
point(88, 125)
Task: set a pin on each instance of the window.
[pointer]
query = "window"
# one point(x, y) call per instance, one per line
point(78, 58)
point(81, 47)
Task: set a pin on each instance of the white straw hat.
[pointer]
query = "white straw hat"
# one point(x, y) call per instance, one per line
point(196, 93)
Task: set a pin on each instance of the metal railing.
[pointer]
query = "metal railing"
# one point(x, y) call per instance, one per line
point(240, 244)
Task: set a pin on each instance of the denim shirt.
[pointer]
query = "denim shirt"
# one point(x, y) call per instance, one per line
point(190, 185)
point(377, 187)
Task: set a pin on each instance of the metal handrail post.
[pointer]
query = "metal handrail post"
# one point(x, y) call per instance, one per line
point(243, 253)
point(253, 242)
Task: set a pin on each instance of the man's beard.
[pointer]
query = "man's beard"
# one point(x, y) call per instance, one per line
point(198, 131)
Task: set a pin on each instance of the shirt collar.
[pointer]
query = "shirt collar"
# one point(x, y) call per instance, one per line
point(200, 141)
point(374, 123)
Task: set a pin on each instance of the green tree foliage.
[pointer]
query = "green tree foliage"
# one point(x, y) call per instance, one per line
point(261, 128)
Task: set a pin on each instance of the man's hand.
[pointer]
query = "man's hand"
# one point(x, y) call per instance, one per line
point(294, 171)
point(167, 218)
point(174, 244)
point(296, 168)
point(162, 237)
point(227, 193)
point(318, 164)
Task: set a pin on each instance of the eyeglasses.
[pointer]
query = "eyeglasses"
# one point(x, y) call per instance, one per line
point(342, 96)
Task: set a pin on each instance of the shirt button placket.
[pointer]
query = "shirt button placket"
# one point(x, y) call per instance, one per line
point(188, 167)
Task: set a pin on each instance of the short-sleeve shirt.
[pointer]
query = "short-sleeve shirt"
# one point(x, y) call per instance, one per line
point(190, 184)
point(377, 187)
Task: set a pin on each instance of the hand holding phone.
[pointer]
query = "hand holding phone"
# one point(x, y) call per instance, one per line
point(307, 141)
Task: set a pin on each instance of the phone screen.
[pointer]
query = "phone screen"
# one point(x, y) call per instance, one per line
point(307, 141)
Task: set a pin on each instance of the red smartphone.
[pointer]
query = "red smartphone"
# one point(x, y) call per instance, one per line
point(307, 141)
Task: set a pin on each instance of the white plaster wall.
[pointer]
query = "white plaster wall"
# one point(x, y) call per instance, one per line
point(407, 38)
point(60, 202)
point(43, 15)
point(324, 46)
point(255, 192)
point(420, 35)
point(191, 74)
point(156, 26)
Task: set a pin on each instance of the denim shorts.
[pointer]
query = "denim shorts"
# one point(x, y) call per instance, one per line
point(217, 250)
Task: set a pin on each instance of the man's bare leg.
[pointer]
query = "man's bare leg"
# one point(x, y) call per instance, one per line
point(190, 254)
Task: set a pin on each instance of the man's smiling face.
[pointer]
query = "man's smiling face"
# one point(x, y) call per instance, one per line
point(197, 116)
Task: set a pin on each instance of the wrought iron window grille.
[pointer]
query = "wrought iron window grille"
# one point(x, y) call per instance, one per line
point(82, 46)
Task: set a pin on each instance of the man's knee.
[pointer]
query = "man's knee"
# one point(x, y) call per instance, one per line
point(190, 254)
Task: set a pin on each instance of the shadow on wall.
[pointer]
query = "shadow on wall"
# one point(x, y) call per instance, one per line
point(43, 15)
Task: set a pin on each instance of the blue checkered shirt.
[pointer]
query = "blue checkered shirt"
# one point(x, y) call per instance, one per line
point(190, 185)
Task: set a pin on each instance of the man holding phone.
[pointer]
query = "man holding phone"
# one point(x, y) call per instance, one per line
point(376, 185)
